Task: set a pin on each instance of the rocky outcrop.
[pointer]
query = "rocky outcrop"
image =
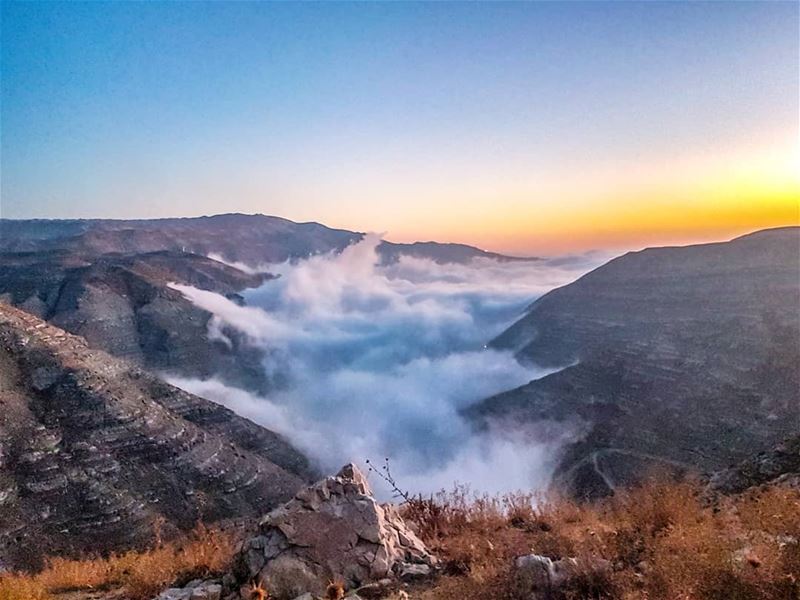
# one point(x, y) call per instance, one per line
point(333, 530)
point(674, 359)
point(778, 466)
point(95, 453)
point(194, 590)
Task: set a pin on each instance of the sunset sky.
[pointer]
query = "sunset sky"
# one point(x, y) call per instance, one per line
point(520, 127)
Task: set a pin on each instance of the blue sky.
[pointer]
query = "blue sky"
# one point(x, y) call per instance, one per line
point(380, 116)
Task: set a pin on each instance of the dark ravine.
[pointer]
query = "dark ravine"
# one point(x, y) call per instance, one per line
point(675, 358)
point(94, 451)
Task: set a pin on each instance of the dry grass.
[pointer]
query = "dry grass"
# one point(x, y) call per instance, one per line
point(664, 541)
point(19, 587)
point(142, 574)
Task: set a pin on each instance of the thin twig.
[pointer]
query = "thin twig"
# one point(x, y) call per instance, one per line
point(385, 473)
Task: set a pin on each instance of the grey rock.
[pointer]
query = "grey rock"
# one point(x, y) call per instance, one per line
point(334, 529)
point(780, 465)
point(197, 590)
point(211, 591)
point(412, 572)
point(174, 594)
point(538, 577)
point(377, 589)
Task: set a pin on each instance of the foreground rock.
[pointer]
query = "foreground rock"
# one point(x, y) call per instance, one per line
point(332, 531)
point(196, 590)
point(538, 577)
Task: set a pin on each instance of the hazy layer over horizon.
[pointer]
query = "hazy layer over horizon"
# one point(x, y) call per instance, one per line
point(527, 128)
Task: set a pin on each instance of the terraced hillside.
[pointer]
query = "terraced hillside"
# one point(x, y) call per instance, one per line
point(94, 452)
point(676, 358)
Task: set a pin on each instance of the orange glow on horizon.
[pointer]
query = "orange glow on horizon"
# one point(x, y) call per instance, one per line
point(682, 202)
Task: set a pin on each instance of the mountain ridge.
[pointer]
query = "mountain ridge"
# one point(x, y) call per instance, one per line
point(675, 357)
point(237, 237)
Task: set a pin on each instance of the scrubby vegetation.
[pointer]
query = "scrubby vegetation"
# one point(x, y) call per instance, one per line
point(142, 574)
point(664, 540)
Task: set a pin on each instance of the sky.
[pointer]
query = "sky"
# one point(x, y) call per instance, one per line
point(518, 127)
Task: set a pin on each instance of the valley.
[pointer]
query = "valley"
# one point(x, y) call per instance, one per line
point(611, 375)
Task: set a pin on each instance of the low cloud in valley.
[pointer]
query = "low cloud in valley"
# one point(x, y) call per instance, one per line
point(377, 361)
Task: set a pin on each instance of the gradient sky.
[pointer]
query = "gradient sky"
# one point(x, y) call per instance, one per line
point(524, 127)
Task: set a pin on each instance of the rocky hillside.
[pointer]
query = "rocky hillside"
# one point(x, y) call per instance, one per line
point(108, 281)
point(94, 452)
point(677, 358)
point(122, 304)
point(251, 239)
point(777, 466)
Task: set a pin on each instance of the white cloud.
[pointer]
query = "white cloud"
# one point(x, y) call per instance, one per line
point(250, 269)
point(379, 360)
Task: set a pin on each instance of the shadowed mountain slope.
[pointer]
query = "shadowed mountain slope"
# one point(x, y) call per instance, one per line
point(680, 358)
point(94, 452)
point(108, 281)
point(122, 304)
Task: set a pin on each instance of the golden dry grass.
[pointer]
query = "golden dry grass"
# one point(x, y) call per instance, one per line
point(664, 540)
point(141, 574)
point(20, 587)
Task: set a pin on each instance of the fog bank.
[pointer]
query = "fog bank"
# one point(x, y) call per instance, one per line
point(374, 361)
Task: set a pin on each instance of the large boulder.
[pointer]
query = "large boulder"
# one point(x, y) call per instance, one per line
point(333, 530)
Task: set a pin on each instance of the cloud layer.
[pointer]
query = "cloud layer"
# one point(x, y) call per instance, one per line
point(376, 361)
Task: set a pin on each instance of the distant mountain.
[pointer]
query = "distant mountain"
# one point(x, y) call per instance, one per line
point(93, 451)
point(122, 304)
point(676, 358)
point(108, 281)
point(440, 253)
point(250, 239)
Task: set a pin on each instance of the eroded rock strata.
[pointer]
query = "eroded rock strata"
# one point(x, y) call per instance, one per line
point(123, 304)
point(94, 452)
point(673, 359)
